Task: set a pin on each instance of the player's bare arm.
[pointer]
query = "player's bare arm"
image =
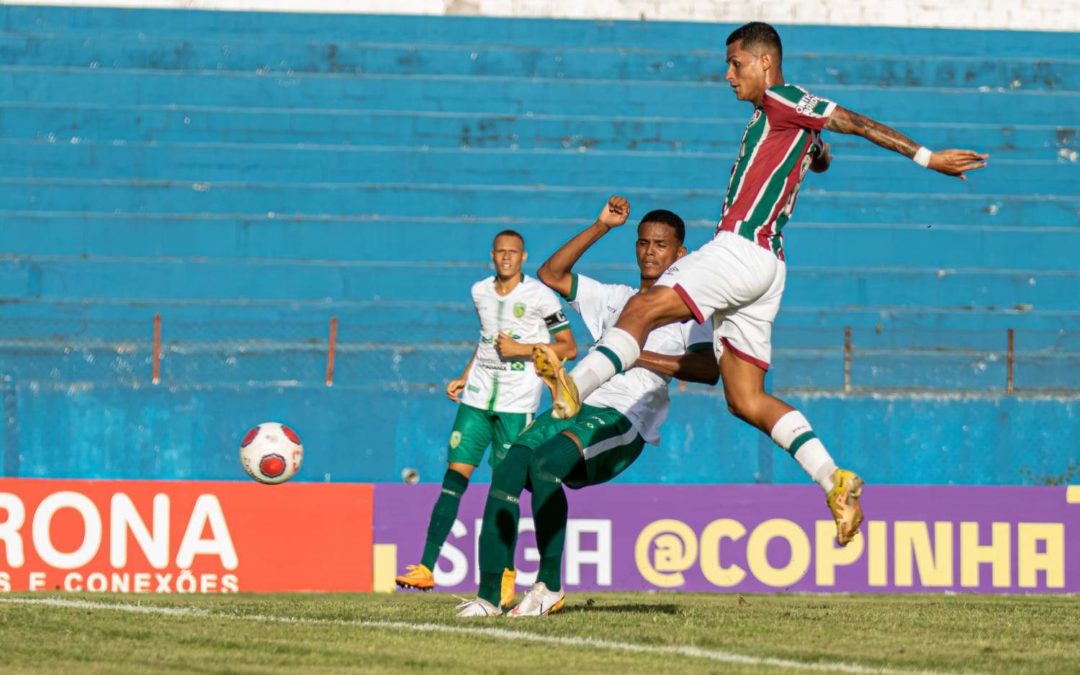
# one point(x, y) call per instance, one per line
point(510, 349)
point(948, 162)
point(555, 273)
point(457, 385)
point(698, 366)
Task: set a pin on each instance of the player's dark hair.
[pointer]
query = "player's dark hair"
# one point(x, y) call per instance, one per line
point(757, 34)
point(509, 233)
point(669, 218)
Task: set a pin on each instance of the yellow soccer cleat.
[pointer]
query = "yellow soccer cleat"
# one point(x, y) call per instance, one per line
point(565, 402)
point(843, 501)
point(418, 577)
point(507, 591)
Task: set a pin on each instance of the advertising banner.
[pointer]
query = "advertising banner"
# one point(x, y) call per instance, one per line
point(770, 538)
point(184, 537)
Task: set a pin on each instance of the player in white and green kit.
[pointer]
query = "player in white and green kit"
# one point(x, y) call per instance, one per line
point(499, 390)
point(737, 279)
point(615, 422)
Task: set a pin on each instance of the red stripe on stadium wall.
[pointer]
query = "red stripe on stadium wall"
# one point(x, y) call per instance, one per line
point(184, 537)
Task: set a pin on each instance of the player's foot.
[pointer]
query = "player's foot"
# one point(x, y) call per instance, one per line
point(416, 576)
point(843, 501)
point(507, 592)
point(565, 402)
point(477, 607)
point(539, 601)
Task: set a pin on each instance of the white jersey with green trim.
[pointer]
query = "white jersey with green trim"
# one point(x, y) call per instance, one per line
point(529, 313)
point(639, 394)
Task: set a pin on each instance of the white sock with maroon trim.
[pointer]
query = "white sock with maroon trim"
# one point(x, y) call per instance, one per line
point(616, 351)
point(793, 433)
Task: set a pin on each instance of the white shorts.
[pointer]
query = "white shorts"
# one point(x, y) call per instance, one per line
point(739, 285)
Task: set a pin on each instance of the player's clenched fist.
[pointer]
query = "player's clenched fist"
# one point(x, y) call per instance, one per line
point(615, 212)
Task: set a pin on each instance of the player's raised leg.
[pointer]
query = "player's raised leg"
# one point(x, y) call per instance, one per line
point(616, 351)
point(744, 389)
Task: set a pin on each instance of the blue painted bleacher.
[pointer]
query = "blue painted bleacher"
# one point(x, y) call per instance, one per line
point(250, 175)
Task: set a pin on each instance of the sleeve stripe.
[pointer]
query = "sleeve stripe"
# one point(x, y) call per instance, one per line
point(573, 288)
point(560, 328)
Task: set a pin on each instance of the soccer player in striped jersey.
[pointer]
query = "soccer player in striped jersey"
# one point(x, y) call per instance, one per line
point(738, 277)
point(615, 423)
point(499, 391)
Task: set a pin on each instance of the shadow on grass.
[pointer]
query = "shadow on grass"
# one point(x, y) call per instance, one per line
point(590, 607)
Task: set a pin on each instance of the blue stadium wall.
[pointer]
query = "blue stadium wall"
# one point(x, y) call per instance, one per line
point(248, 176)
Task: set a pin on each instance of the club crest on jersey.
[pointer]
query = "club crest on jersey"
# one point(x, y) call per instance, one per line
point(519, 309)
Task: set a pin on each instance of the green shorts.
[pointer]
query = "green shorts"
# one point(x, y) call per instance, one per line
point(610, 443)
point(475, 429)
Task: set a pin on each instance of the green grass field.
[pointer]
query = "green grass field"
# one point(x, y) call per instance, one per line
point(616, 632)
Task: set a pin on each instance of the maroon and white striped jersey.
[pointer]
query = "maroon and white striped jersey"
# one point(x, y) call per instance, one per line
point(777, 147)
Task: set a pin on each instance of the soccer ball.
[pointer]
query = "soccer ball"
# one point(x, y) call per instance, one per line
point(271, 453)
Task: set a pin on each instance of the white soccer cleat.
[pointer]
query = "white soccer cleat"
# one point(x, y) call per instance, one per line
point(477, 607)
point(539, 601)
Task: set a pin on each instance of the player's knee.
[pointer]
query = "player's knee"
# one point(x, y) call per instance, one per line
point(744, 405)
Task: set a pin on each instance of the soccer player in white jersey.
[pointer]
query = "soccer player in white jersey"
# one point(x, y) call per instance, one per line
point(615, 423)
point(738, 277)
point(499, 390)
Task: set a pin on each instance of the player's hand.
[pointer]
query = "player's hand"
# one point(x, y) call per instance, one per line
point(821, 161)
point(509, 348)
point(454, 389)
point(956, 162)
point(615, 212)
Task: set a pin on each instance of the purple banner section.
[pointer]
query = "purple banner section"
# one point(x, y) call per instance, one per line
point(771, 538)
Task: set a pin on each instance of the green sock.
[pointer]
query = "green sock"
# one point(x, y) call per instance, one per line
point(443, 516)
point(501, 514)
point(552, 461)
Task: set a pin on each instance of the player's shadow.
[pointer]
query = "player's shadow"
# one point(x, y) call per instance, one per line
point(621, 609)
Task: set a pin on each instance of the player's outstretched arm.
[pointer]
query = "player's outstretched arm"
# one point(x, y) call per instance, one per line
point(556, 272)
point(699, 366)
point(948, 162)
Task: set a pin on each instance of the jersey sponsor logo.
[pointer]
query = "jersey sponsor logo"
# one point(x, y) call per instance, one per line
point(519, 310)
point(555, 319)
point(455, 439)
point(517, 365)
point(806, 104)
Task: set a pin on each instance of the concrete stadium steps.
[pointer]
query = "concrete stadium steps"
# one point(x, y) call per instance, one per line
point(950, 205)
point(416, 321)
point(75, 278)
point(342, 128)
point(431, 366)
point(339, 28)
point(239, 240)
point(288, 56)
point(211, 163)
point(506, 95)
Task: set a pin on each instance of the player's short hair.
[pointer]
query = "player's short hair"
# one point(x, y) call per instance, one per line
point(757, 34)
point(509, 233)
point(666, 217)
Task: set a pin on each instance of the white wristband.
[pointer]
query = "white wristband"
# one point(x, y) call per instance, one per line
point(922, 156)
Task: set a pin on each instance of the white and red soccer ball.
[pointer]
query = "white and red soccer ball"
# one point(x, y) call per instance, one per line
point(271, 453)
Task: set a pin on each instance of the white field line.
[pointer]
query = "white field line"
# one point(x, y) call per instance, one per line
point(497, 633)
